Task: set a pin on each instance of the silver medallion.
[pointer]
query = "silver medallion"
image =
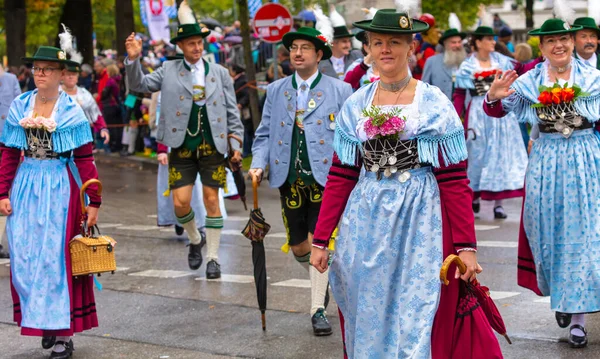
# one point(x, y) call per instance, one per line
point(563, 114)
point(410, 152)
point(542, 116)
point(382, 161)
point(559, 126)
point(392, 160)
point(375, 168)
point(486, 87)
point(332, 125)
point(404, 176)
point(567, 132)
point(577, 121)
point(387, 172)
point(393, 170)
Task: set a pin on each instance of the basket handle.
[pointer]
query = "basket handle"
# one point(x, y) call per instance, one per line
point(84, 187)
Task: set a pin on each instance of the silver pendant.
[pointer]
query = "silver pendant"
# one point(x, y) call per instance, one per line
point(577, 121)
point(542, 116)
point(393, 170)
point(567, 131)
point(486, 87)
point(410, 152)
point(375, 168)
point(332, 125)
point(559, 126)
point(382, 161)
point(392, 160)
point(387, 172)
point(404, 176)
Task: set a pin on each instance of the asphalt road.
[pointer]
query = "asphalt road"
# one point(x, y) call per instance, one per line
point(155, 307)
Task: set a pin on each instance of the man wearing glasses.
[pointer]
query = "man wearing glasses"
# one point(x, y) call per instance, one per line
point(295, 139)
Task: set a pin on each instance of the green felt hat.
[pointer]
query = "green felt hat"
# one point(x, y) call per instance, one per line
point(74, 68)
point(484, 31)
point(554, 27)
point(51, 54)
point(361, 36)
point(309, 34)
point(451, 33)
point(388, 21)
point(341, 32)
point(188, 30)
point(586, 23)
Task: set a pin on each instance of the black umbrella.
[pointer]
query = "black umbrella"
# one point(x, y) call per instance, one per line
point(211, 23)
point(256, 230)
point(237, 172)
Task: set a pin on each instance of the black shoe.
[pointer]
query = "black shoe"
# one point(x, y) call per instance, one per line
point(320, 324)
point(499, 214)
point(195, 256)
point(178, 230)
point(575, 341)
point(126, 153)
point(4, 255)
point(563, 319)
point(213, 270)
point(67, 353)
point(48, 342)
point(476, 207)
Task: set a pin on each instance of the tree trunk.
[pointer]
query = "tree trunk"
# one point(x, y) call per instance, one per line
point(15, 23)
point(529, 14)
point(124, 23)
point(77, 16)
point(244, 18)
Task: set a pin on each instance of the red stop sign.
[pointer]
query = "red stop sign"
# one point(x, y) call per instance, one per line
point(272, 21)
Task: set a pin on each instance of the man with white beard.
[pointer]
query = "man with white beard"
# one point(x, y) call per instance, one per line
point(440, 69)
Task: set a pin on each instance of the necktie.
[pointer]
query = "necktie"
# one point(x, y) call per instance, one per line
point(302, 96)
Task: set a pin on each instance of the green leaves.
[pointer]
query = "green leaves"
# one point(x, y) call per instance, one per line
point(465, 9)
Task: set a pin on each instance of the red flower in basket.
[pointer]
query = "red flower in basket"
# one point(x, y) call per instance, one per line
point(568, 95)
point(556, 95)
point(545, 98)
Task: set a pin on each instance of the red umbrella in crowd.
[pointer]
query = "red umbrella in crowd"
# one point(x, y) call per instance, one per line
point(473, 335)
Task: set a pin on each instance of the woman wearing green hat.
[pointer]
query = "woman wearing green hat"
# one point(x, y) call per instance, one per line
point(395, 221)
point(41, 199)
point(497, 156)
point(558, 243)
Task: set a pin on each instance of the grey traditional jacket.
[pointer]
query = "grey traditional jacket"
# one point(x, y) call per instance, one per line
point(273, 142)
point(436, 73)
point(326, 67)
point(175, 82)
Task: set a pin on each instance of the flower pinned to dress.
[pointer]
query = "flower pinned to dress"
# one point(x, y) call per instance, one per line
point(38, 122)
point(382, 124)
point(558, 94)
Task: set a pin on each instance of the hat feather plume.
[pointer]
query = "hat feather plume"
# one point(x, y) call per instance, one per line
point(407, 6)
point(454, 22)
point(564, 11)
point(66, 44)
point(323, 23)
point(336, 18)
point(185, 14)
point(485, 17)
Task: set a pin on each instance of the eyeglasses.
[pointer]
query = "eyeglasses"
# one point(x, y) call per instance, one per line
point(303, 48)
point(43, 70)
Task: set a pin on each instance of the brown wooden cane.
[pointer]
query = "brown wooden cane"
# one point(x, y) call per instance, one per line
point(453, 258)
point(82, 192)
point(255, 185)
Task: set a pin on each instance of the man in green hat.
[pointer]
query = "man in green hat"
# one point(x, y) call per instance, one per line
point(295, 139)
point(342, 54)
point(586, 41)
point(440, 69)
point(198, 113)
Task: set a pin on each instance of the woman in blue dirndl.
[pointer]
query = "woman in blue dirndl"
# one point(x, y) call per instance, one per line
point(40, 196)
point(558, 245)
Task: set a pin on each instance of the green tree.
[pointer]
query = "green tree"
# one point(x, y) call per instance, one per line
point(465, 9)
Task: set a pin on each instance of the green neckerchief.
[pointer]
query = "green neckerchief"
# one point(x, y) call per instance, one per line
point(297, 137)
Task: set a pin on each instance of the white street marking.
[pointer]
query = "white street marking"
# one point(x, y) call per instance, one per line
point(502, 295)
point(4, 261)
point(297, 283)
point(109, 225)
point(231, 278)
point(161, 273)
point(543, 300)
point(237, 218)
point(152, 216)
point(497, 244)
point(483, 227)
point(122, 269)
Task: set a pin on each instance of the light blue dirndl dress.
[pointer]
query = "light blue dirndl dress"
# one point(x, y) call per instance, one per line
point(385, 270)
point(40, 200)
point(497, 156)
point(561, 213)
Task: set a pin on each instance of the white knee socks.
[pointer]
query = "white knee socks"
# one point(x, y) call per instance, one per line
point(214, 226)
point(189, 224)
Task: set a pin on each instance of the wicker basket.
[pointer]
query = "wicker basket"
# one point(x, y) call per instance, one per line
point(91, 253)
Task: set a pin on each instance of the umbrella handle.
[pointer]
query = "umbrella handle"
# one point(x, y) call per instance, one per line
point(453, 258)
point(82, 192)
point(255, 191)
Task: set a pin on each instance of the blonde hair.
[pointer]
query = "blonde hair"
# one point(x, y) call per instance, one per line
point(523, 52)
point(112, 70)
